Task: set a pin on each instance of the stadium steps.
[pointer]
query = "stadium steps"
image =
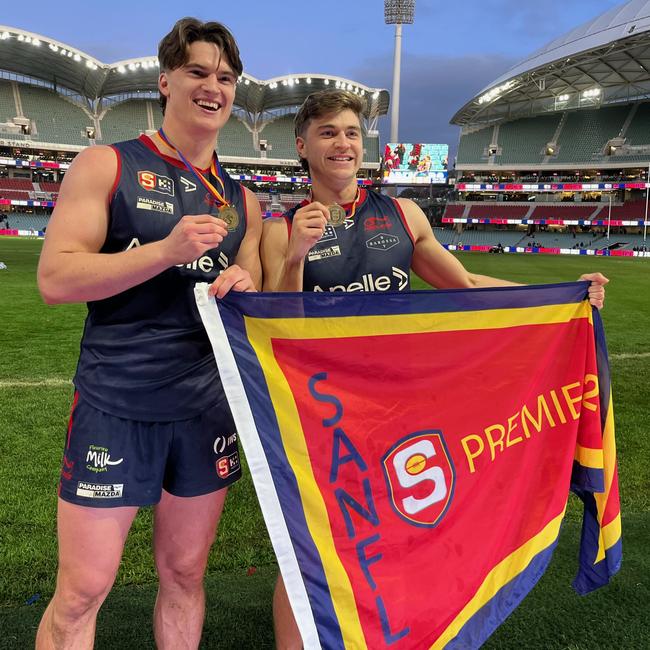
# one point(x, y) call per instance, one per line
point(473, 146)
point(8, 108)
point(524, 140)
point(124, 121)
point(279, 135)
point(628, 120)
point(56, 118)
point(235, 139)
point(556, 135)
point(586, 133)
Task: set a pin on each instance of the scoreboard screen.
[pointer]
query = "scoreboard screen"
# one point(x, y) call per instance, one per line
point(408, 163)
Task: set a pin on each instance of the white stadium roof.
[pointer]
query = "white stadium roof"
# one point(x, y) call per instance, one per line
point(26, 54)
point(604, 61)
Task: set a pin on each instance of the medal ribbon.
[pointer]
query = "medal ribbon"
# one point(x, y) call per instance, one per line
point(199, 176)
point(354, 205)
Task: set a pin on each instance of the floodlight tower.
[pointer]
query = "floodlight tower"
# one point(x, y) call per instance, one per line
point(398, 13)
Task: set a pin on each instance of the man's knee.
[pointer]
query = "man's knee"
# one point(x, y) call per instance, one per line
point(183, 570)
point(78, 595)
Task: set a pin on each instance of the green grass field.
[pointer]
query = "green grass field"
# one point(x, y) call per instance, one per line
point(39, 349)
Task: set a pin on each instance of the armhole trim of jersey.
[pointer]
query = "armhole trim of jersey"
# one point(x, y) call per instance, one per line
point(404, 221)
point(118, 173)
point(244, 194)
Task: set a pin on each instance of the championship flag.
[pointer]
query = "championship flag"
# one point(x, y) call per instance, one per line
point(413, 452)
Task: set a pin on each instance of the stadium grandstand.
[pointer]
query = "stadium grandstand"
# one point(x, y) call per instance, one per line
point(554, 155)
point(55, 100)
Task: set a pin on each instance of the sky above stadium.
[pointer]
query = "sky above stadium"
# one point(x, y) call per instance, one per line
point(452, 51)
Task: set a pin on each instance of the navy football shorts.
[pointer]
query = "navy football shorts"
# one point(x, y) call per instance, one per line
point(110, 461)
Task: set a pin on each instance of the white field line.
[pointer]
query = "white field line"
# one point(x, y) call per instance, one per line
point(39, 383)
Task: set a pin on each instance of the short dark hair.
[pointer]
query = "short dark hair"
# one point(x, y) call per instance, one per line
point(323, 103)
point(173, 48)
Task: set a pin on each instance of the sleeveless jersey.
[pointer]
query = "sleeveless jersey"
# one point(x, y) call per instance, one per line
point(144, 352)
point(371, 251)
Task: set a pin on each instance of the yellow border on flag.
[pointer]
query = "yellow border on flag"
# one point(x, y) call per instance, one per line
point(260, 334)
point(508, 569)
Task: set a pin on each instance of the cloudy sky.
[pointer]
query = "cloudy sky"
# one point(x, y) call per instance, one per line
point(452, 50)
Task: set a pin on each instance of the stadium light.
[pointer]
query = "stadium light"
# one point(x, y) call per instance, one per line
point(327, 82)
point(495, 93)
point(308, 80)
point(4, 36)
point(398, 13)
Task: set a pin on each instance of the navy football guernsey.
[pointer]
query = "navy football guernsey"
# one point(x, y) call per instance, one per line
point(371, 251)
point(144, 352)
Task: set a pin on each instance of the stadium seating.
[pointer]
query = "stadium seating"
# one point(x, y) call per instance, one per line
point(454, 210)
point(57, 120)
point(446, 235)
point(14, 195)
point(50, 187)
point(498, 211)
point(472, 147)
point(490, 237)
point(523, 141)
point(236, 140)
point(7, 103)
point(124, 121)
point(279, 135)
point(16, 184)
point(626, 242)
point(556, 239)
point(628, 211)
point(27, 221)
point(586, 132)
point(563, 211)
point(371, 148)
point(637, 132)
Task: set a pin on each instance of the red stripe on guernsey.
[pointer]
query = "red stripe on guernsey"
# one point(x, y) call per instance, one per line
point(245, 202)
point(363, 195)
point(404, 221)
point(150, 144)
point(118, 174)
point(72, 408)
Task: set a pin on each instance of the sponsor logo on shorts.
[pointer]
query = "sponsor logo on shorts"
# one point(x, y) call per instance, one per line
point(226, 465)
point(100, 490)
point(377, 223)
point(156, 183)
point(382, 242)
point(221, 442)
point(323, 253)
point(98, 459)
point(145, 203)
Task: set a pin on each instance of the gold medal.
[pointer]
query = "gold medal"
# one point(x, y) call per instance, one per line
point(230, 216)
point(337, 214)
